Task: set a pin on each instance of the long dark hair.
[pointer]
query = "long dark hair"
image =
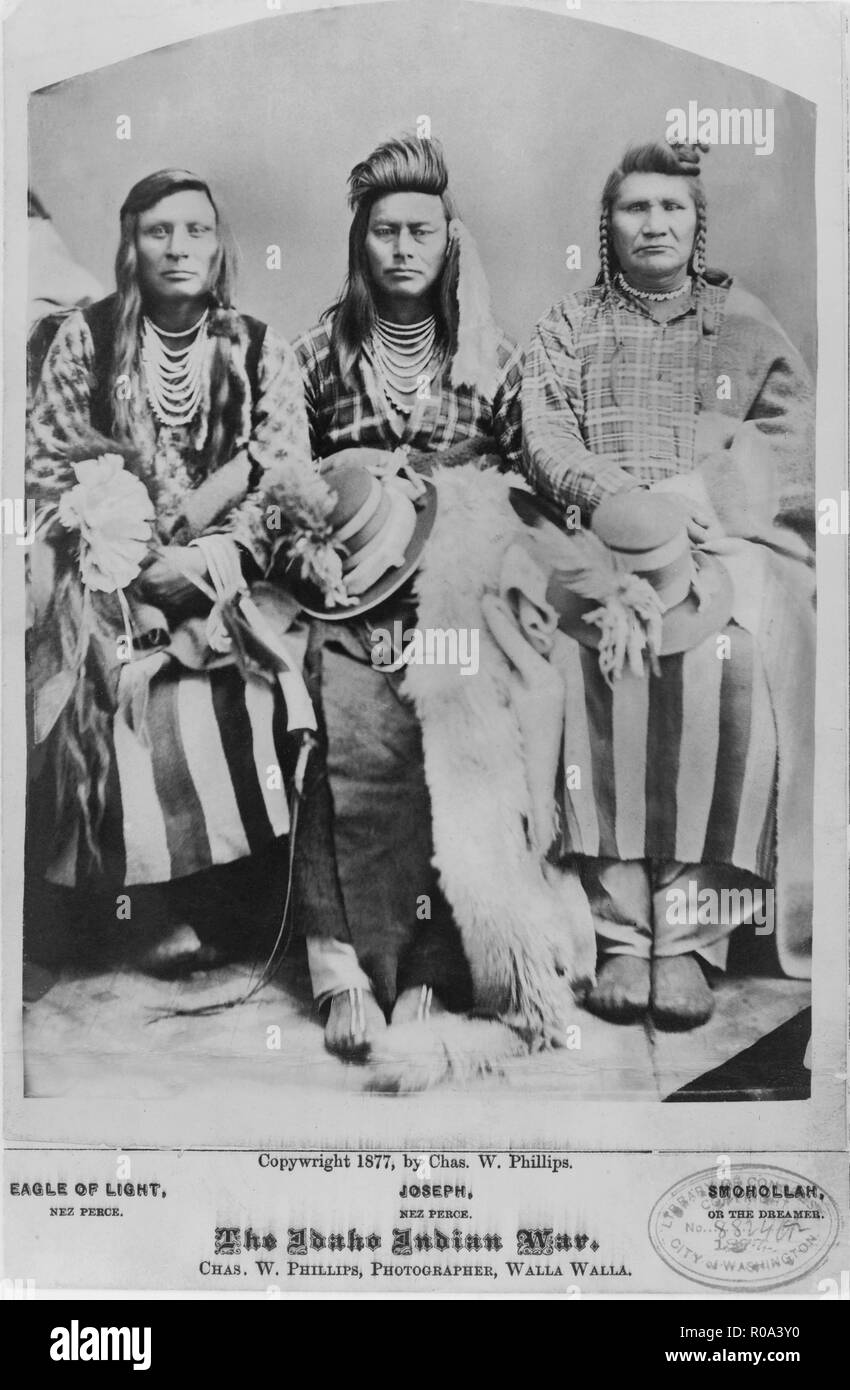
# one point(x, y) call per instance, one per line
point(404, 165)
point(225, 389)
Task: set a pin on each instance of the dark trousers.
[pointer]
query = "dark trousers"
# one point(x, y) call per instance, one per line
point(363, 870)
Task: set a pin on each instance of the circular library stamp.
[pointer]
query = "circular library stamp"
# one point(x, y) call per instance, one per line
point(747, 1227)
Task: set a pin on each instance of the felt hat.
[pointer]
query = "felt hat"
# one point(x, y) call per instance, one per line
point(636, 562)
point(378, 529)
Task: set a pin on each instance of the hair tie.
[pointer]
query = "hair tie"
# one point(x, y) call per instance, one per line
point(688, 154)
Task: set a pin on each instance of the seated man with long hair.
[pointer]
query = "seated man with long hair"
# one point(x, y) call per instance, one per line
point(409, 359)
point(163, 422)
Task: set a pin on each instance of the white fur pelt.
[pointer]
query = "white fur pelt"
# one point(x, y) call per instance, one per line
point(525, 926)
point(415, 1056)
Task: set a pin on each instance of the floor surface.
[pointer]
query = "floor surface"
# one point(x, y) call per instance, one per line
point(103, 1034)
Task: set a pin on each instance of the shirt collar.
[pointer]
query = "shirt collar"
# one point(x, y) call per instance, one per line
point(713, 297)
point(644, 307)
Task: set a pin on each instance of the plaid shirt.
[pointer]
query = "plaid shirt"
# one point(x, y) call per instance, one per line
point(345, 416)
point(277, 444)
point(581, 441)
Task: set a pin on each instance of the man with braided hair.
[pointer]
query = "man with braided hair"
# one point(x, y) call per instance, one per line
point(666, 376)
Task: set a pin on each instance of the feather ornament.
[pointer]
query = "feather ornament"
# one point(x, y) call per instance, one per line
point(476, 361)
point(629, 613)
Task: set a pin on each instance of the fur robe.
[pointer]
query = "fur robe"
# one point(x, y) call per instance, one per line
point(491, 746)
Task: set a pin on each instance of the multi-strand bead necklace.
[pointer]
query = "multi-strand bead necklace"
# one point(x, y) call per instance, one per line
point(174, 377)
point(403, 353)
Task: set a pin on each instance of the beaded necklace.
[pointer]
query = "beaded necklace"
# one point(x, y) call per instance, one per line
point(174, 377)
point(403, 353)
point(655, 296)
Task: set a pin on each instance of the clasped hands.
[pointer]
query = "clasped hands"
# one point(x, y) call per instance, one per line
point(166, 582)
point(714, 434)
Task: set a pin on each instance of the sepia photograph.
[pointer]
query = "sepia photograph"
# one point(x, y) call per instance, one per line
point(426, 719)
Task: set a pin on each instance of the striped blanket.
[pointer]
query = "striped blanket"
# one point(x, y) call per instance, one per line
point(679, 766)
point(202, 785)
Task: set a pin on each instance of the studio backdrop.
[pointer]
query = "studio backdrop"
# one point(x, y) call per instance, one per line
point(533, 111)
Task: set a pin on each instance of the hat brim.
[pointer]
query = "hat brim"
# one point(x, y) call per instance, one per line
point(683, 627)
point(310, 596)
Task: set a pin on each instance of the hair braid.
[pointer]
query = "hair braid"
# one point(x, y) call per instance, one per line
point(605, 249)
point(698, 254)
point(698, 267)
point(605, 256)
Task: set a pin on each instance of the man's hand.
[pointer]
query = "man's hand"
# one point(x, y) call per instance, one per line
point(164, 582)
point(697, 515)
point(714, 434)
point(698, 523)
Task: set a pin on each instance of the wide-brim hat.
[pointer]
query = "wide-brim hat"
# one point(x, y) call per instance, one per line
point(315, 603)
point(704, 611)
